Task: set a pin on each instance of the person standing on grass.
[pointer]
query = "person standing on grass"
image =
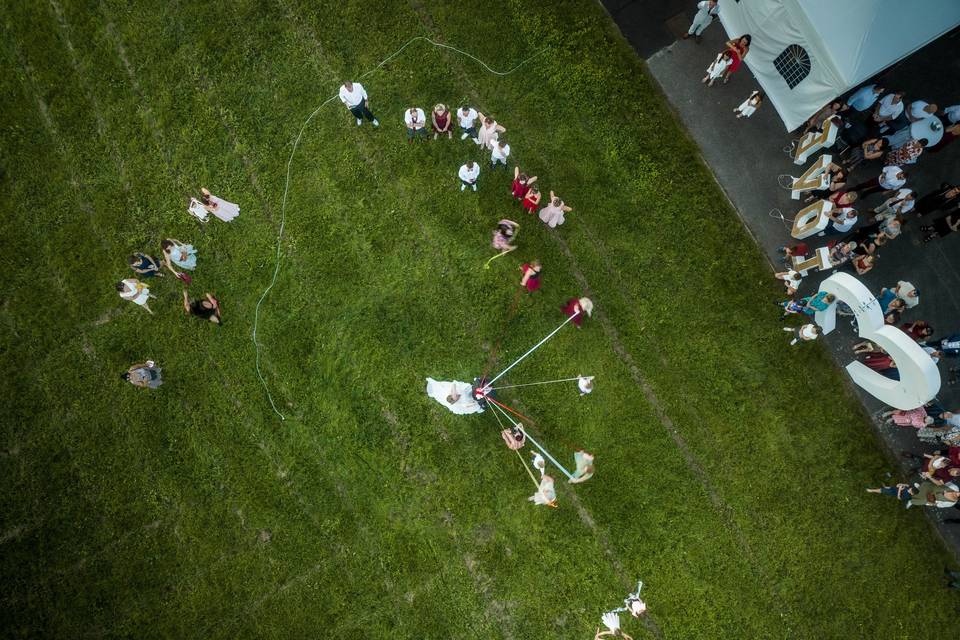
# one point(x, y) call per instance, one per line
point(750, 105)
point(136, 292)
point(531, 200)
point(468, 175)
point(552, 214)
point(441, 122)
point(530, 277)
point(707, 10)
point(144, 265)
point(803, 333)
point(891, 178)
point(489, 132)
point(416, 123)
point(521, 184)
point(575, 308)
point(499, 154)
point(206, 308)
point(354, 98)
point(504, 235)
point(467, 119)
point(146, 375)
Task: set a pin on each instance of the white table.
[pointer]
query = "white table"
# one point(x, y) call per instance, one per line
point(925, 129)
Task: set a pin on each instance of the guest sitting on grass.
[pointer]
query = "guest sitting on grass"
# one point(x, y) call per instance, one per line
point(146, 375)
point(206, 308)
point(924, 494)
point(144, 265)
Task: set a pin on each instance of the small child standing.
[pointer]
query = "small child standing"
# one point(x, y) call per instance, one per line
point(748, 106)
point(718, 67)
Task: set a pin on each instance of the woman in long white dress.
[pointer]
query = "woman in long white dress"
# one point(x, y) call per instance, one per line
point(219, 207)
point(136, 292)
point(545, 494)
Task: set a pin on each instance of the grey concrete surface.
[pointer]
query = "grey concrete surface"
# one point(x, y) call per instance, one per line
point(747, 156)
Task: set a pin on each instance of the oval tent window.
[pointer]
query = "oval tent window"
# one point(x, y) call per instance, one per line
point(793, 64)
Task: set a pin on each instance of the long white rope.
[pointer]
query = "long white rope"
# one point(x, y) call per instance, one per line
point(286, 187)
point(533, 384)
point(533, 348)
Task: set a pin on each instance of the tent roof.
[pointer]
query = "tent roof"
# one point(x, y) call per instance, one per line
point(848, 41)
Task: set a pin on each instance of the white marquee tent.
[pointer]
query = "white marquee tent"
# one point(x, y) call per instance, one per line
point(826, 47)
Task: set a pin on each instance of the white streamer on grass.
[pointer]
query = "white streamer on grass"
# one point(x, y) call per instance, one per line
point(286, 186)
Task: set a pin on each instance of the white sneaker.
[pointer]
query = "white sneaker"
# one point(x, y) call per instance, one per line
point(462, 187)
point(464, 136)
point(376, 122)
point(474, 187)
point(359, 122)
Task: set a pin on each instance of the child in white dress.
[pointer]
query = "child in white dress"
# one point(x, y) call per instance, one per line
point(751, 104)
point(717, 67)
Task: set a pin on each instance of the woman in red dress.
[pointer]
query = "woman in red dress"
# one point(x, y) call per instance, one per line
point(521, 184)
point(532, 199)
point(531, 275)
point(441, 121)
point(738, 49)
point(575, 308)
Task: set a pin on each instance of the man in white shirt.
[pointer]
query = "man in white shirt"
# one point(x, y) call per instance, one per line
point(469, 174)
point(842, 220)
point(467, 118)
point(864, 97)
point(900, 203)
point(803, 333)
point(919, 110)
point(889, 112)
point(500, 153)
point(416, 123)
point(891, 178)
point(354, 97)
point(707, 10)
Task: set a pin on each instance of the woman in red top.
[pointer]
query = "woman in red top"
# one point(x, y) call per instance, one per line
point(532, 199)
point(531, 275)
point(575, 308)
point(441, 122)
point(521, 184)
point(738, 49)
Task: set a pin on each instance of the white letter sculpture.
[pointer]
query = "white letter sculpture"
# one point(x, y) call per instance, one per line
point(919, 377)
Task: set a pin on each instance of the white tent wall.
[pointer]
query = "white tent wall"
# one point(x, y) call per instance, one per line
point(848, 41)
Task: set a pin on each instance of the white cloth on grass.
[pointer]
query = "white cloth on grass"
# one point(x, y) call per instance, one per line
point(223, 209)
point(439, 390)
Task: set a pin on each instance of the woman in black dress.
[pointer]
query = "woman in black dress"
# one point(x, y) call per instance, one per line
point(945, 197)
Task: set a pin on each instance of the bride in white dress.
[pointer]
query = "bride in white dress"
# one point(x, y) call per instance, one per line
point(209, 203)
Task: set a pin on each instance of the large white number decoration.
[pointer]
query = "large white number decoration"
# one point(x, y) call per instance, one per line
point(919, 376)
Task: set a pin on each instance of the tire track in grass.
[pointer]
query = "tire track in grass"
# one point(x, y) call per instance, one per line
point(145, 111)
point(582, 512)
point(29, 84)
point(89, 94)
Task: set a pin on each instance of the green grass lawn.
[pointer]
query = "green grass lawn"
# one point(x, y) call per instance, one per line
point(730, 467)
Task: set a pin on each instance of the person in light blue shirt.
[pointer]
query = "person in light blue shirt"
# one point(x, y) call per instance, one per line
point(864, 97)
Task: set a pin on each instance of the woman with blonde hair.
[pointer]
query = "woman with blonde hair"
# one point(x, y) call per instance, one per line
point(441, 122)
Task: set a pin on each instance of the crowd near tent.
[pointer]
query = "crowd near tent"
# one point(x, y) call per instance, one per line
point(804, 53)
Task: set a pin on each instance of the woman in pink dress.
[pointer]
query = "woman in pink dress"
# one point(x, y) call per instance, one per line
point(916, 418)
